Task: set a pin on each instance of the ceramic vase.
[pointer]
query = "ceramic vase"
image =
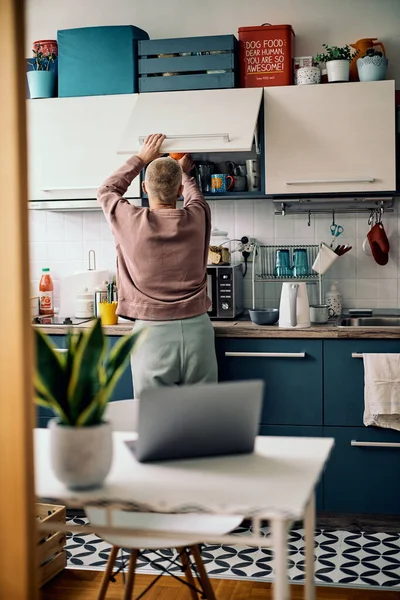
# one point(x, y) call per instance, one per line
point(372, 68)
point(308, 75)
point(81, 457)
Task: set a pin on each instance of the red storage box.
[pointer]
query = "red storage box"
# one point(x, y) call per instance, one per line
point(266, 55)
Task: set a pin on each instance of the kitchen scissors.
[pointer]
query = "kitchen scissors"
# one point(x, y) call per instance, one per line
point(336, 230)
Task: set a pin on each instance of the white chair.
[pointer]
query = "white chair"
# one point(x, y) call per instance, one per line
point(123, 417)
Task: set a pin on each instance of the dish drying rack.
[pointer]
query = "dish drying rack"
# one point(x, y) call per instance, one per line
point(264, 258)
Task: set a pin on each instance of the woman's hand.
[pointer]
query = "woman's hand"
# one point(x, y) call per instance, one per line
point(187, 164)
point(151, 147)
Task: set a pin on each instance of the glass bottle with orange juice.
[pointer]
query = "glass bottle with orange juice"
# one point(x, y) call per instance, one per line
point(46, 288)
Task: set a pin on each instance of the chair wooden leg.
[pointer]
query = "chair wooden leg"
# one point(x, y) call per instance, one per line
point(108, 572)
point(205, 582)
point(130, 580)
point(188, 572)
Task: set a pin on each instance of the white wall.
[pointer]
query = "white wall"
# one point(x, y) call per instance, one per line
point(62, 241)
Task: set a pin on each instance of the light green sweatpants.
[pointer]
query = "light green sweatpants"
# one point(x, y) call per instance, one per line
point(180, 352)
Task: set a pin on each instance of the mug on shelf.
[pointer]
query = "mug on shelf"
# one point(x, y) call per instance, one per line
point(253, 175)
point(221, 183)
point(239, 183)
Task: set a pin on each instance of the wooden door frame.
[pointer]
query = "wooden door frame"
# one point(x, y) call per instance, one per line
point(17, 524)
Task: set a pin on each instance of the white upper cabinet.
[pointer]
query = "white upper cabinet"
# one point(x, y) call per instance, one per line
point(72, 145)
point(195, 121)
point(323, 139)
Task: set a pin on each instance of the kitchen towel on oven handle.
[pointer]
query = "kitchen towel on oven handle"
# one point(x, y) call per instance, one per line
point(382, 390)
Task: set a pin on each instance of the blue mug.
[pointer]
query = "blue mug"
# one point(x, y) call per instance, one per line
point(221, 183)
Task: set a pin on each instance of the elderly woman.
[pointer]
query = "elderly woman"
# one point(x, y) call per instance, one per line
point(162, 261)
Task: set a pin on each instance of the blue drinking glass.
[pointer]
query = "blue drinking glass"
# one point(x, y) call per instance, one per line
point(300, 262)
point(282, 263)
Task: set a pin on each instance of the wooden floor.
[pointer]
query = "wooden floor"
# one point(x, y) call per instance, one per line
point(84, 585)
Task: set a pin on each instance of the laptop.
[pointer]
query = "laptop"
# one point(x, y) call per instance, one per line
point(198, 421)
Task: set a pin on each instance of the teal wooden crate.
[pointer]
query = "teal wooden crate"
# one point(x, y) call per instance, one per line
point(206, 62)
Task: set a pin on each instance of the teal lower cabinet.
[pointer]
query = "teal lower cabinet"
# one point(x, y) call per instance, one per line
point(292, 372)
point(281, 430)
point(43, 415)
point(124, 388)
point(363, 474)
point(344, 378)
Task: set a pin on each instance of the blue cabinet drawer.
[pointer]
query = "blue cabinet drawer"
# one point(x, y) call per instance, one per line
point(43, 415)
point(291, 369)
point(282, 430)
point(363, 478)
point(124, 388)
point(344, 378)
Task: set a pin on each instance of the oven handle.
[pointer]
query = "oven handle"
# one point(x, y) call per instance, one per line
point(375, 444)
point(267, 354)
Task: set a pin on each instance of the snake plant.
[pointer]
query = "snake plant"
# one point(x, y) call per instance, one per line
point(77, 383)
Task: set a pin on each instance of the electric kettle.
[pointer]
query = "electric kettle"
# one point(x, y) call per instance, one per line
point(294, 309)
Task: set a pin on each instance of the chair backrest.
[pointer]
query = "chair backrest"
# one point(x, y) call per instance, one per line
point(123, 414)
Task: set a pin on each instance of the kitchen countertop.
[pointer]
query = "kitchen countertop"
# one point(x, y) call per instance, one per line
point(247, 329)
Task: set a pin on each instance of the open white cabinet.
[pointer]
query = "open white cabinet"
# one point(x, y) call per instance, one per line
point(72, 145)
point(325, 139)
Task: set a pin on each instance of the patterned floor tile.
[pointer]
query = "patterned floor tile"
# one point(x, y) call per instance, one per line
point(341, 558)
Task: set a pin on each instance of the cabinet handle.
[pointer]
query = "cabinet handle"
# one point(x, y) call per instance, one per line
point(375, 444)
point(268, 354)
point(316, 181)
point(356, 355)
point(192, 136)
point(70, 188)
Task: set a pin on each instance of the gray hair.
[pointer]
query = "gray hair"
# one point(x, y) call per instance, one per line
point(163, 179)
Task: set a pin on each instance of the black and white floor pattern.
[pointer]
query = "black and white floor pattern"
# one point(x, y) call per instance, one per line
point(342, 558)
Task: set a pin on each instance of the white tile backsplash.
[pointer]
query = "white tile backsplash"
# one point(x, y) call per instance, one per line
point(62, 242)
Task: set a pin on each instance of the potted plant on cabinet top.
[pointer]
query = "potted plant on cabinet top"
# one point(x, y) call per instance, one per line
point(76, 385)
point(41, 80)
point(337, 60)
point(372, 66)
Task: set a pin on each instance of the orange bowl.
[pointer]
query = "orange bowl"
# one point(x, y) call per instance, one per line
point(177, 155)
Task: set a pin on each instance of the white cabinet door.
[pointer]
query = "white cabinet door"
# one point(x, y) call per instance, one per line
point(72, 145)
point(195, 121)
point(330, 138)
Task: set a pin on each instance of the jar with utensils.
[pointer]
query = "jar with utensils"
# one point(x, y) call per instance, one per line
point(108, 309)
point(300, 262)
point(84, 305)
point(282, 263)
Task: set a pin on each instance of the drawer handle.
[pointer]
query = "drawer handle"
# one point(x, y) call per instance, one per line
point(193, 136)
point(268, 354)
point(310, 181)
point(357, 355)
point(375, 444)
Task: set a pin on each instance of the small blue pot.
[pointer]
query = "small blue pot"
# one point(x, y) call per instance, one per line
point(42, 84)
point(372, 68)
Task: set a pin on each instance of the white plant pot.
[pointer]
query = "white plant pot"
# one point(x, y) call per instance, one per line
point(338, 70)
point(81, 456)
point(308, 75)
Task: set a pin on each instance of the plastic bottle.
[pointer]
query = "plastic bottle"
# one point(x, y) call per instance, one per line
point(333, 299)
point(46, 287)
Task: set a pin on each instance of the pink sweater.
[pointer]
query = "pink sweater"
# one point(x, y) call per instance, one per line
point(161, 254)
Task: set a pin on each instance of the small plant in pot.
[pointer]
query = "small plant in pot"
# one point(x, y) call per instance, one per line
point(41, 80)
point(372, 66)
point(76, 385)
point(337, 60)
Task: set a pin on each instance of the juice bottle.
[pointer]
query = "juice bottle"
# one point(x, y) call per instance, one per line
point(46, 306)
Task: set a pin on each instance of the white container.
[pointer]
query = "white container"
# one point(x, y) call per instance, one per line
point(334, 300)
point(324, 260)
point(34, 302)
point(338, 70)
point(308, 76)
point(81, 457)
point(84, 305)
point(294, 308)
